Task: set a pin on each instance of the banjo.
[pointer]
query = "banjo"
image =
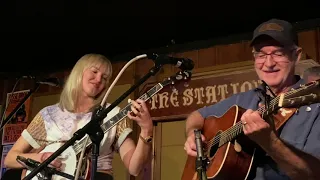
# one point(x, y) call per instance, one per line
point(70, 156)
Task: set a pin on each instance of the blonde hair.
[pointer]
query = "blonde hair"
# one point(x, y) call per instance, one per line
point(73, 85)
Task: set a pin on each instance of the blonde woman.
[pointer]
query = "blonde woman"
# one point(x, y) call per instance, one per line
point(83, 91)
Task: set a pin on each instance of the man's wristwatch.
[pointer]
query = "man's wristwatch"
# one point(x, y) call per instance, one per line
point(147, 139)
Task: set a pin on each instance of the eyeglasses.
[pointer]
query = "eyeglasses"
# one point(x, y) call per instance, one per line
point(277, 56)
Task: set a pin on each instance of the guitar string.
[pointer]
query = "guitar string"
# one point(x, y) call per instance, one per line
point(237, 128)
point(234, 129)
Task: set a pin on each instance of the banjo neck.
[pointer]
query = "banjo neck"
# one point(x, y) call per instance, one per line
point(78, 146)
point(184, 75)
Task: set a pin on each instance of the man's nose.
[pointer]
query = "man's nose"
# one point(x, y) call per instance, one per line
point(269, 61)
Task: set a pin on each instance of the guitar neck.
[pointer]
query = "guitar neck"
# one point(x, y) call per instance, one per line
point(237, 129)
point(118, 117)
point(265, 111)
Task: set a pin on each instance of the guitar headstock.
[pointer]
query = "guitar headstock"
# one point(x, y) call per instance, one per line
point(305, 95)
point(299, 101)
point(179, 76)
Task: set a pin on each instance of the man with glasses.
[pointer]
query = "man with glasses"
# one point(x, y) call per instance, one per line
point(293, 151)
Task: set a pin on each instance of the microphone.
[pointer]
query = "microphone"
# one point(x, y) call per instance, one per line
point(198, 143)
point(47, 172)
point(53, 81)
point(26, 162)
point(28, 77)
point(23, 161)
point(201, 160)
point(182, 63)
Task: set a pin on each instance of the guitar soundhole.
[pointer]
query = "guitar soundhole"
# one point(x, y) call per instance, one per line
point(215, 144)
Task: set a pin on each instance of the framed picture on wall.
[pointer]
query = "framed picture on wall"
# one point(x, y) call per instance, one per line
point(13, 129)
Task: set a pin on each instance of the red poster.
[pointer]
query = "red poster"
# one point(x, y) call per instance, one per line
point(12, 130)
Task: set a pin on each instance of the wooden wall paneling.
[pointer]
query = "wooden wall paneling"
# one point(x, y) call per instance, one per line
point(247, 51)
point(142, 67)
point(228, 53)
point(308, 41)
point(156, 160)
point(193, 55)
point(126, 77)
point(318, 45)
point(224, 54)
point(206, 57)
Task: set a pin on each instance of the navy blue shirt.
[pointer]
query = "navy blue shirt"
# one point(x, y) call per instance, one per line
point(302, 130)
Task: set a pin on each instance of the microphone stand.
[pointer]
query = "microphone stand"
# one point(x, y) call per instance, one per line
point(8, 118)
point(201, 161)
point(267, 98)
point(48, 172)
point(93, 129)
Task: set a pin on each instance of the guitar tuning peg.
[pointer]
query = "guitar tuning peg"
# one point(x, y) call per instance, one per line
point(167, 79)
point(173, 88)
point(172, 82)
point(185, 78)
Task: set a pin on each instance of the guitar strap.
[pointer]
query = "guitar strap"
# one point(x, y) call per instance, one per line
point(277, 120)
point(281, 117)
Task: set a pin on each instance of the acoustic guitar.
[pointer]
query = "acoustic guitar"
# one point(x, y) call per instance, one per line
point(70, 155)
point(229, 152)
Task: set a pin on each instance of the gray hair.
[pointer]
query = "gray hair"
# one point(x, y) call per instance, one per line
point(312, 71)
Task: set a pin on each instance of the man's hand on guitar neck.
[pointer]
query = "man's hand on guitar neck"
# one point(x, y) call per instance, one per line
point(258, 129)
point(295, 163)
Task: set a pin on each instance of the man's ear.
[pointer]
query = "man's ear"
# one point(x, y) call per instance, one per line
point(297, 54)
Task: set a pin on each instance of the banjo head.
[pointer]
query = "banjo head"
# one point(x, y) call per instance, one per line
point(68, 159)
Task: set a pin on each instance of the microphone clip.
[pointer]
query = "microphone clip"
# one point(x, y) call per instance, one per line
point(181, 63)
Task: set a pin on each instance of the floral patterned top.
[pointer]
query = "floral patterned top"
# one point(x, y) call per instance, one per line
point(52, 125)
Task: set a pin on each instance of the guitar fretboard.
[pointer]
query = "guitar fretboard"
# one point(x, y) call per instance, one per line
point(78, 146)
point(232, 132)
point(237, 129)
